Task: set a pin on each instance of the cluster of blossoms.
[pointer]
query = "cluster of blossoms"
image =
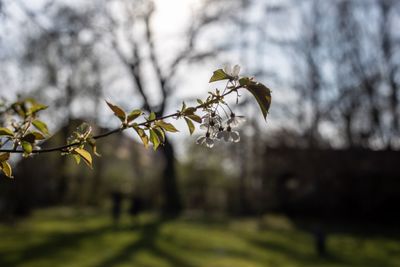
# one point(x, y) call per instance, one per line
point(217, 127)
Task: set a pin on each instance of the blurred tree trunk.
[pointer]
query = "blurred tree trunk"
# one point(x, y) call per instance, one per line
point(172, 204)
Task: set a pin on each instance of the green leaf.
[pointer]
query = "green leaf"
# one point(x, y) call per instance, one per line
point(84, 130)
point(143, 136)
point(244, 81)
point(6, 168)
point(262, 95)
point(134, 115)
point(6, 131)
point(190, 125)
point(38, 136)
point(27, 147)
point(152, 116)
point(166, 126)
point(85, 155)
point(154, 139)
point(77, 158)
point(219, 75)
point(160, 133)
point(195, 118)
point(4, 156)
point(189, 111)
point(41, 126)
point(36, 108)
point(119, 112)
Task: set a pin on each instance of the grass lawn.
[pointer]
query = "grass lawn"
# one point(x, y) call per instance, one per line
point(63, 237)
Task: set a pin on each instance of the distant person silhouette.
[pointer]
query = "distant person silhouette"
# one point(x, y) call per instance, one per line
point(136, 208)
point(320, 241)
point(116, 198)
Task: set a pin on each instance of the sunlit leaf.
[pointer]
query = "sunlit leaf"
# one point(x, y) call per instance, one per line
point(6, 131)
point(154, 139)
point(6, 168)
point(41, 126)
point(119, 112)
point(77, 158)
point(166, 126)
point(84, 130)
point(189, 111)
point(134, 115)
point(219, 75)
point(27, 147)
point(142, 134)
point(38, 136)
point(36, 107)
point(85, 155)
point(190, 125)
point(195, 118)
point(4, 156)
point(160, 133)
point(152, 116)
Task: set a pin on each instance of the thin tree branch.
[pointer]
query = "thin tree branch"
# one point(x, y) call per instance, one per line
point(64, 148)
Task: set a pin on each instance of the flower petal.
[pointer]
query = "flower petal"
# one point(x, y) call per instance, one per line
point(228, 69)
point(220, 135)
point(236, 71)
point(227, 136)
point(209, 142)
point(235, 136)
point(200, 140)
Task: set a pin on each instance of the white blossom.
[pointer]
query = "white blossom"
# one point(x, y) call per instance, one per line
point(235, 120)
point(205, 140)
point(228, 135)
point(232, 72)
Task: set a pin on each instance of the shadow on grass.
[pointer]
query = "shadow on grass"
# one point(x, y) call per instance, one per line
point(55, 243)
point(147, 241)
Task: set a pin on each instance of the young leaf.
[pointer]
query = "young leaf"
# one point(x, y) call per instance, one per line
point(87, 158)
point(36, 108)
point(142, 135)
point(117, 111)
point(41, 126)
point(262, 94)
point(38, 136)
point(4, 156)
point(195, 118)
point(190, 125)
point(6, 168)
point(84, 130)
point(189, 111)
point(160, 133)
point(166, 126)
point(77, 158)
point(134, 115)
point(6, 131)
point(152, 116)
point(154, 139)
point(27, 147)
point(219, 75)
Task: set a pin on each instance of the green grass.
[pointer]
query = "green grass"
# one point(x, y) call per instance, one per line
point(63, 237)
